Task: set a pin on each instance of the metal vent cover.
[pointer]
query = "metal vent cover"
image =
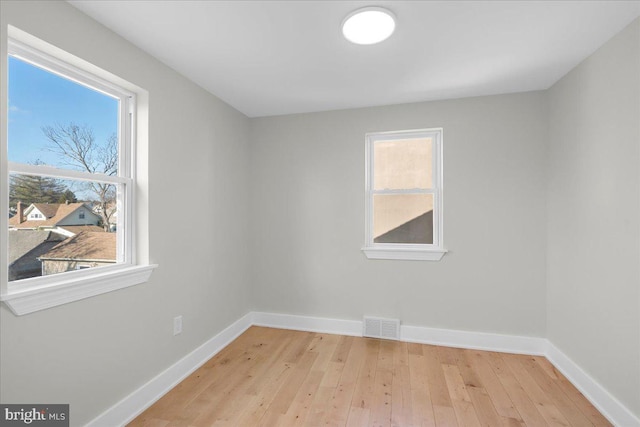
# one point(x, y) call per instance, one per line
point(377, 327)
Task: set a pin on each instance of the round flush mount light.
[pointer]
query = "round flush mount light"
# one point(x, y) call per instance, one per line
point(368, 25)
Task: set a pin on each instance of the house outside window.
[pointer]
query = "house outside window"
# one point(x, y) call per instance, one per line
point(404, 217)
point(71, 206)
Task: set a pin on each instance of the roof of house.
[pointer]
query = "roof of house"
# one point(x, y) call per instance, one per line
point(77, 229)
point(22, 242)
point(95, 246)
point(49, 210)
point(418, 230)
point(54, 213)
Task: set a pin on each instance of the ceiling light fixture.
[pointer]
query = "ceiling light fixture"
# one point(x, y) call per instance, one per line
point(368, 25)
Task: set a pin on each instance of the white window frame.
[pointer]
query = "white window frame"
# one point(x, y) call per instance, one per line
point(402, 251)
point(38, 293)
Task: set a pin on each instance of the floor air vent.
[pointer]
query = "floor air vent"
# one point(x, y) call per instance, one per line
point(376, 327)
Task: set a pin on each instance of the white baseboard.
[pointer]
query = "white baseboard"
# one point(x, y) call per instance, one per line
point(608, 405)
point(473, 340)
point(307, 323)
point(417, 334)
point(134, 404)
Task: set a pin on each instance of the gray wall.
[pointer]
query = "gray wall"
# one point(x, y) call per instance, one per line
point(94, 352)
point(593, 216)
point(307, 213)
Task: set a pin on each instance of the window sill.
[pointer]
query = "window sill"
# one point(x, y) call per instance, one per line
point(69, 290)
point(407, 254)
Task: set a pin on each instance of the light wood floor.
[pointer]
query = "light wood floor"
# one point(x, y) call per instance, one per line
point(273, 377)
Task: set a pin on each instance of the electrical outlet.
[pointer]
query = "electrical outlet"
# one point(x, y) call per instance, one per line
point(177, 325)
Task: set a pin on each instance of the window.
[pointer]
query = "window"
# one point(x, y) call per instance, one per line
point(404, 195)
point(71, 159)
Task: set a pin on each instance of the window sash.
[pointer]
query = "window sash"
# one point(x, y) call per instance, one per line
point(41, 170)
point(63, 69)
point(406, 191)
point(124, 246)
point(126, 104)
point(437, 234)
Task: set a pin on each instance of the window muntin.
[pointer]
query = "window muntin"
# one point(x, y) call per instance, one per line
point(89, 119)
point(404, 193)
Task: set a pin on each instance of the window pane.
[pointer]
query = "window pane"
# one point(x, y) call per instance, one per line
point(60, 225)
point(403, 218)
point(57, 122)
point(403, 164)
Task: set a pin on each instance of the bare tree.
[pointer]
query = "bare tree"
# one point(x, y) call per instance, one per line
point(77, 148)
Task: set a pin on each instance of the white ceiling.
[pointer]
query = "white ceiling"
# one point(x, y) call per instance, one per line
point(279, 57)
